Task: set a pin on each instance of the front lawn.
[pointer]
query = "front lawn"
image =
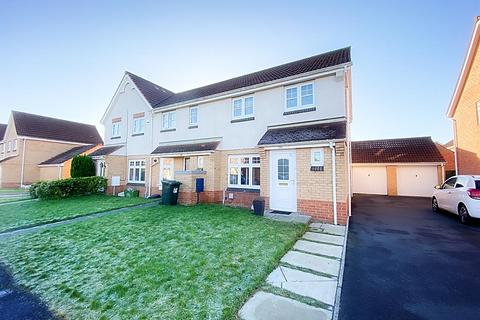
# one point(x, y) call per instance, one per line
point(22, 214)
point(158, 262)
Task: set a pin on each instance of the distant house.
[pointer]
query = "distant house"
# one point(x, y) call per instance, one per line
point(37, 148)
point(282, 134)
point(449, 155)
point(397, 167)
point(450, 145)
point(464, 109)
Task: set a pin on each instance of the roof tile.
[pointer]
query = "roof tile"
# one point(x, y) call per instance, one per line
point(313, 132)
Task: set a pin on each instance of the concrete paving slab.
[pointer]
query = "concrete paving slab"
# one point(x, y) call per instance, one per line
point(323, 291)
point(276, 276)
point(338, 240)
point(267, 306)
point(333, 229)
point(316, 263)
point(316, 225)
point(293, 275)
point(319, 248)
point(294, 217)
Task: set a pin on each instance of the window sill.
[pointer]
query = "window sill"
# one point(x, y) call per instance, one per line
point(242, 119)
point(243, 190)
point(137, 134)
point(193, 126)
point(168, 130)
point(113, 138)
point(136, 184)
point(286, 113)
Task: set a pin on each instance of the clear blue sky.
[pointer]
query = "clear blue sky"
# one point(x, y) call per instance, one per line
point(66, 60)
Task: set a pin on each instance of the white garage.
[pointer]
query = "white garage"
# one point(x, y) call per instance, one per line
point(369, 179)
point(396, 167)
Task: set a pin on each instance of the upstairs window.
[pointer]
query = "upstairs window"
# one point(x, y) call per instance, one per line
point(194, 116)
point(116, 129)
point(14, 145)
point(299, 96)
point(138, 124)
point(136, 171)
point(2, 148)
point(168, 120)
point(9, 146)
point(242, 108)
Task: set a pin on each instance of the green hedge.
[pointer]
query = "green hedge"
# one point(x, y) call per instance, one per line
point(68, 187)
point(82, 166)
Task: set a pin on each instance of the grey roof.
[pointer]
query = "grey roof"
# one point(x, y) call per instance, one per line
point(312, 132)
point(35, 126)
point(160, 97)
point(67, 155)
point(402, 150)
point(103, 151)
point(152, 92)
point(3, 128)
point(192, 147)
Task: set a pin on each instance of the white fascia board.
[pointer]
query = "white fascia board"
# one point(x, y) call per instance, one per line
point(182, 154)
point(251, 89)
point(300, 145)
point(57, 141)
point(304, 123)
point(115, 95)
point(190, 141)
point(397, 164)
point(460, 81)
point(51, 165)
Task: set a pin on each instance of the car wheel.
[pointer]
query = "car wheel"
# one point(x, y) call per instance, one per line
point(435, 207)
point(463, 213)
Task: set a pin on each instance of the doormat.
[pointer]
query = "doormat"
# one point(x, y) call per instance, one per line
point(281, 212)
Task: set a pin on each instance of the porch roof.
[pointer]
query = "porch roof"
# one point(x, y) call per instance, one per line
point(190, 147)
point(103, 151)
point(305, 133)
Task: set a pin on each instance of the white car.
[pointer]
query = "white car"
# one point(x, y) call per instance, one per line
point(459, 195)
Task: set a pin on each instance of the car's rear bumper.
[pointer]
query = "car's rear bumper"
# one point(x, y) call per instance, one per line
point(473, 207)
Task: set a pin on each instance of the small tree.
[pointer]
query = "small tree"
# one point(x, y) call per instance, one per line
point(82, 166)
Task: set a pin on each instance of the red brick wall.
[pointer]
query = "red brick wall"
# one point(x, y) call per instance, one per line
point(323, 210)
point(241, 199)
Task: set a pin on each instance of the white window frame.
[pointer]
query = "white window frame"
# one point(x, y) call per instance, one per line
point(250, 165)
point(135, 167)
point(242, 107)
point(190, 116)
point(116, 133)
point(9, 146)
point(299, 105)
point(319, 163)
point(171, 122)
point(2, 148)
point(14, 145)
point(136, 128)
point(200, 163)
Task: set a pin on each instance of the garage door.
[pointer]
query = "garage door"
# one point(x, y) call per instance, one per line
point(416, 181)
point(369, 179)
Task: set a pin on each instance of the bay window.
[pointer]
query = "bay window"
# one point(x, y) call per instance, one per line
point(244, 171)
point(136, 171)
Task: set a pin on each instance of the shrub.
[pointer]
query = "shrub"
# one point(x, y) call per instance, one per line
point(68, 187)
point(82, 166)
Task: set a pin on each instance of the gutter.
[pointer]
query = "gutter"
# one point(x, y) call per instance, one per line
point(334, 183)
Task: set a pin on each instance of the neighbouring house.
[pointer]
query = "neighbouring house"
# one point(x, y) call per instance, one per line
point(37, 148)
point(403, 167)
point(449, 155)
point(282, 134)
point(450, 145)
point(464, 110)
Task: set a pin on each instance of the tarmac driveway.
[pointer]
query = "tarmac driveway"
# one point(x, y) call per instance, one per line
point(406, 262)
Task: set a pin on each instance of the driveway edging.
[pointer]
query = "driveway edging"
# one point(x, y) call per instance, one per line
point(336, 307)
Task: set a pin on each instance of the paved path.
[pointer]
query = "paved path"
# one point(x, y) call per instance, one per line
point(405, 262)
point(305, 284)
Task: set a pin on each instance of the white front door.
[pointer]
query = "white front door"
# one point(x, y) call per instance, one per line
point(283, 186)
point(166, 170)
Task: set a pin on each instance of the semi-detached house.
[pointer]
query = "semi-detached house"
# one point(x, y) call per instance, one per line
point(282, 134)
